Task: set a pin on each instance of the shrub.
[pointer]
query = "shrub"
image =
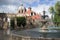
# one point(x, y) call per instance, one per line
point(12, 23)
point(21, 21)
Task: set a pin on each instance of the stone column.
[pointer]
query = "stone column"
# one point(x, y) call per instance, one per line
point(15, 23)
point(8, 20)
point(8, 29)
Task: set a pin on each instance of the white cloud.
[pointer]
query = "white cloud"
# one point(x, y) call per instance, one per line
point(11, 7)
point(8, 8)
point(40, 8)
point(58, 0)
point(11, 1)
point(29, 1)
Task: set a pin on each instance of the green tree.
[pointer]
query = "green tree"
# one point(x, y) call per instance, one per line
point(51, 10)
point(57, 14)
point(12, 23)
point(56, 10)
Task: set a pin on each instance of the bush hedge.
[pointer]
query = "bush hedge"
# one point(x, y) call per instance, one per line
point(12, 23)
point(21, 21)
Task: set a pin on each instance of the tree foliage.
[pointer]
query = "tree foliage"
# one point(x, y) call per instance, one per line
point(51, 9)
point(56, 10)
point(21, 21)
point(12, 23)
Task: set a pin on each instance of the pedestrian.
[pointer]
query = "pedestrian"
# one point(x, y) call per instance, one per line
point(5, 27)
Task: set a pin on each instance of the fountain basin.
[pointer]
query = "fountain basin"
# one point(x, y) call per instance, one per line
point(37, 32)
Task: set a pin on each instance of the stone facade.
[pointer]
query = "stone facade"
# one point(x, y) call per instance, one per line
point(22, 11)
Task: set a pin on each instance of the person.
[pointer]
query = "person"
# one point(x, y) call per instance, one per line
point(5, 27)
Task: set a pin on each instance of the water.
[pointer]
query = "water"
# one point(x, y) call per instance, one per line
point(37, 32)
point(43, 30)
point(48, 33)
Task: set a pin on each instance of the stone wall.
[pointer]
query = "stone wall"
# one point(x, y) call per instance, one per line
point(19, 37)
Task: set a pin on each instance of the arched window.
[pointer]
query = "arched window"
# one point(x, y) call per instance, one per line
point(22, 10)
point(34, 13)
point(25, 9)
point(19, 11)
point(31, 13)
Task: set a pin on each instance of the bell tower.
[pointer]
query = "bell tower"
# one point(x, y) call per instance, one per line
point(21, 9)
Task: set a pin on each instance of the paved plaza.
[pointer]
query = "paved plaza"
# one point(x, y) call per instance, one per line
point(3, 35)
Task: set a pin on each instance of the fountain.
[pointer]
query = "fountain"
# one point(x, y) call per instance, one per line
point(36, 34)
point(44, 33)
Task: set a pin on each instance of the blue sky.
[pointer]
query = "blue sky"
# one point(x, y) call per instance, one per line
point(37, 5)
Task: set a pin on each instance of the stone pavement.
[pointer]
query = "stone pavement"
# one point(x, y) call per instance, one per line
point(3, 35)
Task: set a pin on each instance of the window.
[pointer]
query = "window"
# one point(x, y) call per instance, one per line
point(19, 11)
point(31, 13)
point(22, 11)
